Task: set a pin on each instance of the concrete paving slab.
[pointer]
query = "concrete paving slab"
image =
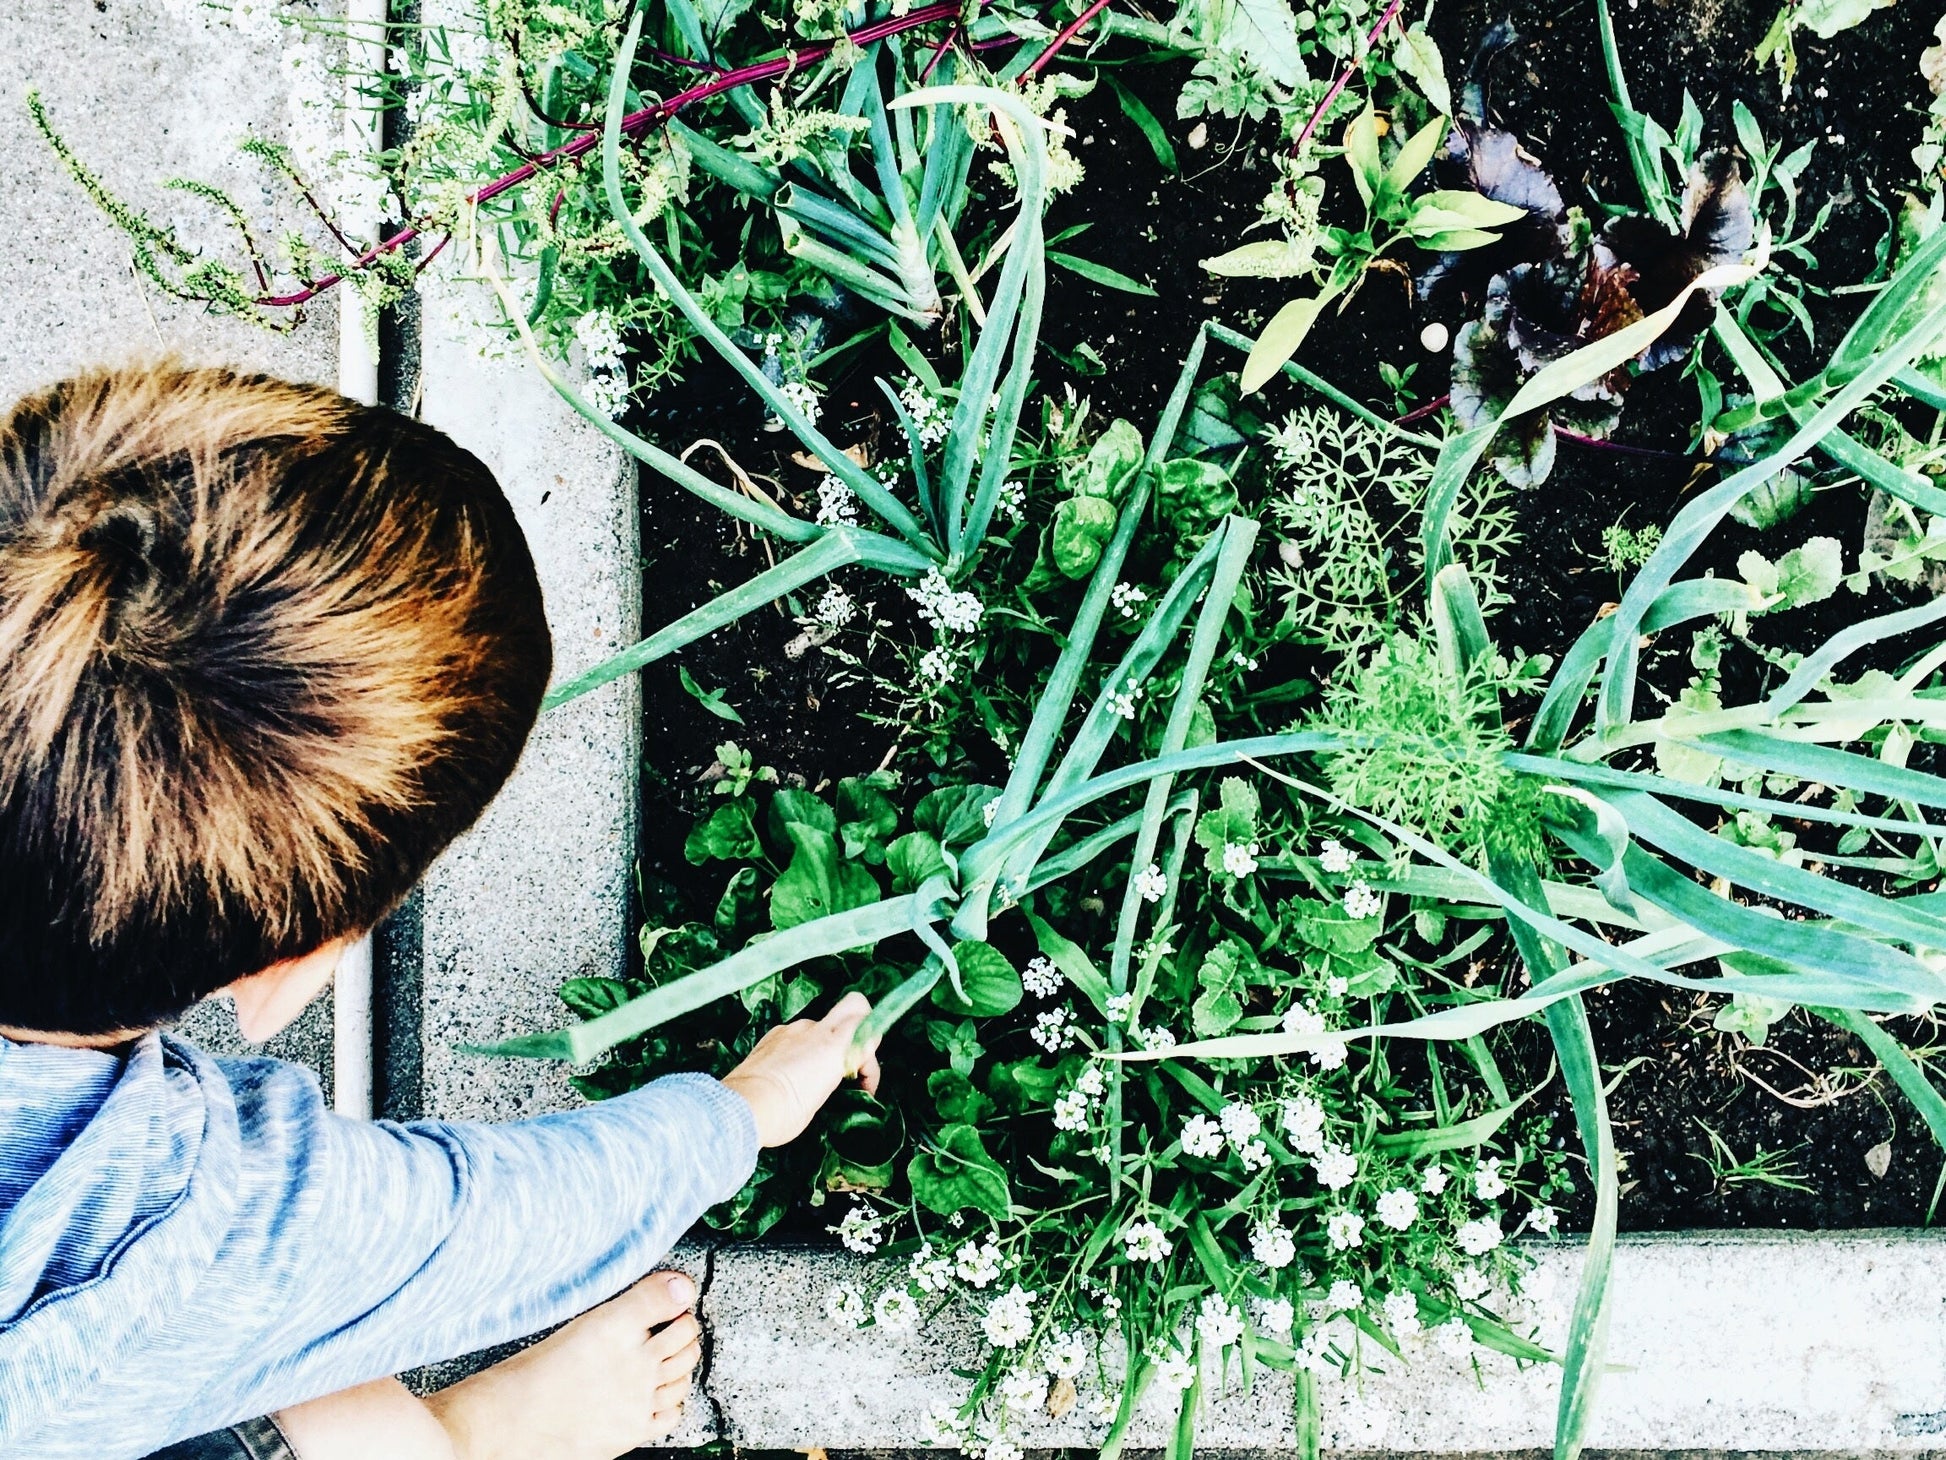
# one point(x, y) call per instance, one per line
point(1782, 1343)
point(538, 891)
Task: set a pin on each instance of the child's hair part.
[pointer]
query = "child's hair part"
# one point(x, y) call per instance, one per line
point(264, 652)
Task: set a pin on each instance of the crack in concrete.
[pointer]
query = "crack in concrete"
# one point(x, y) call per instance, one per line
point(719, 1422)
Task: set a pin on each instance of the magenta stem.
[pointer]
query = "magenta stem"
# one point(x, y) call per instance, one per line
point(1598, 444)
point(1074, 30)
point(939, 53)
point(1425, 410)
point(1344, 76)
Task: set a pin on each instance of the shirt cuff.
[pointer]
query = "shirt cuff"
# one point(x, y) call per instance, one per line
point(735, 1154)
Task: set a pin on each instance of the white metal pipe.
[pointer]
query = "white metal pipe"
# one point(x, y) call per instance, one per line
point(353, 1042)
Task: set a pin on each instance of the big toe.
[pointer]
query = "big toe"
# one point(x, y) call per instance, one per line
point(656, 1299)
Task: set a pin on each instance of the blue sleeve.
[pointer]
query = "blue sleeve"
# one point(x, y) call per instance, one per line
point(421, 1242)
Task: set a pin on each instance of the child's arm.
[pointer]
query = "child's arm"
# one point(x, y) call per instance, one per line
point(432, 1240)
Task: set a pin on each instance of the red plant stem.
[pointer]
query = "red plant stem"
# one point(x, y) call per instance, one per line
point(638, 122)
point(1601, 445)
point(1344, 76)
point(1425, 410)
point(1074, 29)
point(939, 53)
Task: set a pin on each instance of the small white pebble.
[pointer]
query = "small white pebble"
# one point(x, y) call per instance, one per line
point(1434, 337)
point(1199, 137)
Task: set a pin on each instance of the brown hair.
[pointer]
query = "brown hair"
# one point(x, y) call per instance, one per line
point(263, 653)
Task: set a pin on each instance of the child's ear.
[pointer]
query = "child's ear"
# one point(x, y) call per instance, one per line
point(269, 1000)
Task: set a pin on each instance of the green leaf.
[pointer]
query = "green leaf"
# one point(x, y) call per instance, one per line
point(1415, 154)
point(591, 996)
point(1466, 209)
point(1082, 525)
point(955, 815)
point(711, 699)
point(1267, 258)
point(956, 1173)
point(862, 1137)
point(1194, 492)
point(1410, 1145)
point(1280, 340)
point(912, 859)
point(740, 906)
point(1232, 822)
point(956, 1099)
point(991, 982)
point(1222, 976)
point(1110, 463)
point(1145, 120)
point(1417, 57)
point(1810, 574)
point(866, 815)
point(728, 835)
point(1750, 1015)
point(1361, 153)
point(1370, 975)
point(818, 881)
point(1825, 18)
point(790, 808)
point(1074, 964)
point(1100, 274)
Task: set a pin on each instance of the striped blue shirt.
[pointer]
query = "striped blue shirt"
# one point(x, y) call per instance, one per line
point(186, 1242)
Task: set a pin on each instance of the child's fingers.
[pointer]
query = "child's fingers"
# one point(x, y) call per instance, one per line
point(868, 1071)
point(846, 1014)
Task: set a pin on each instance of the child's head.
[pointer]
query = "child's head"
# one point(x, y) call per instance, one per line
point(263, 653)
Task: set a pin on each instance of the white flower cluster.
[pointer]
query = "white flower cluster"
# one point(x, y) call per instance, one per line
point(896, 1310)
point(1022, 1390)
point(1054, 1030)
point(1127, 599)
point(936, 664)
point(1241, 1128)
point(1399, 1208)
point(1434, 1181)
point(1402, 1314)
point(1336, 1167)
point(837, 504)
point(944, 608)
point(1470, 1283)
point(1071, 1110)
point(977, 1263)
point(861, 1229)
point(1145, 1241)
point(930, 418)
point(1065, 1354)
point(1488, 1183)
point(1478, 1237)
point(1303, 1121)
point(1202, 1137)
point(1239, 861)
point(1276, 1315)
point(1220, 1322)
point(1363, 901)
point(1327, 1050)
point(1174, 1370)
point(1543, 1220)
point(1122, 702)
point(1344, 1230)
point(1314, 1351)
point(1336, 858)
point(803, 398)
point(601, 347)
point(844, 1304)
point(931, 1272)
point(1152, 1038)
point(1150, 883)
point(1012, 501)
point(835, 607)
point(1041, 978)
point(1273, 1245)
point(1009, 1320)
point(1345, 1297)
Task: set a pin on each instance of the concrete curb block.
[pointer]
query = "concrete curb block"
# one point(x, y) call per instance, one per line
point(538, 891)
point(1830, 1344)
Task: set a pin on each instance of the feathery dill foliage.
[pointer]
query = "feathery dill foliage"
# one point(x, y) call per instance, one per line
point(1427, 745)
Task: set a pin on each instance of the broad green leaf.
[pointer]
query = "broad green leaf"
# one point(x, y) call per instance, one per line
point(1361, 152)
point(728, 835)
point(956, 1099)
point(818, 881)
point(1264, 32)
point(1811, 573)
point(955, 815)
point(1280, 340)
point(741, 905)
point(956, 1173)
point(1457, 240)
point(1417, 151)
point(1825, 18)
point(1470, 209)
point(800, 808)
point(1081, 526)
point(912, 859)
point(591, 996)
point(1194, 491)
point(1417, 56)
point(1110, 463)
point(1268, 258)
point(991, 982)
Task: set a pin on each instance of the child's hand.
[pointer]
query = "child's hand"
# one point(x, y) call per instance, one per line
point(795, 1067)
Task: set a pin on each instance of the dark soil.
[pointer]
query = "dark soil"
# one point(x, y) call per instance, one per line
point(1826, 1105)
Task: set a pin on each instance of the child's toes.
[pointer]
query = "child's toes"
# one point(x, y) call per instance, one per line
point(680, 1334)
point(669, 1400)
point(656, 1299)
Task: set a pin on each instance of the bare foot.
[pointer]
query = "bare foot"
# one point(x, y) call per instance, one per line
point(600, 1387)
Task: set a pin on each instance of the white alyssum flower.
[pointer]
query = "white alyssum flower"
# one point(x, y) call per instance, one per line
point(1398, 1208)
point(932, 1271)
point(1402, 1314)
point(1054, 1030)
point(1009, 1320)
point(1240, 1122)
point(1344, 1230)
point(1478, 1237)
point(1120, 1006)
point(1328, 1051)
point(1023, 1389)
point(1201, 1136)
point(1150, 883)
point(1273, 1245)
point(1011, 502)
point(1175, 1371)
point(896, 1310)
point(977, 1263)
point(1240, 861)
point(1470, 1282)
point(930, 419)
point(1454, 1337)
point(944, 607)
point(1434, 1181)
point(989, 809)
point(1127, 599)
point(941, 1425)
point(836, 608)
point(1103, 1405)
point(1145, 1241)
point(1488, 1183)
point(861, 1229)
point(937, 665)
point(1336, 1167)
point(1065, 1354)
point(1003, 1450)
point(1363, 901)
point(1041, 978)
point(1243, 660)
point(1345, 1297)
point(1071, 1111)
point(1220, 1322)
point(601, 348)
point(837, 503)
point(1336, 858)
point(1314, 1351)
point(1303, 1121)
point(1255, 1155)
point(844, 1304)
point(1276, 1315)
point(1122, 702)
point(1543, 1220)
point(1153, 1038)
point(803, 398)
